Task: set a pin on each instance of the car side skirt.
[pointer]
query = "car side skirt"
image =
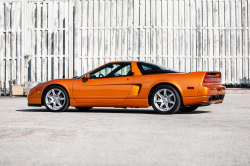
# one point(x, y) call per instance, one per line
point(126, 103)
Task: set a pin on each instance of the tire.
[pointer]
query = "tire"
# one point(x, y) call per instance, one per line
point(84, 108)
point(168, 97)
point(56, 99)
point(188, 108)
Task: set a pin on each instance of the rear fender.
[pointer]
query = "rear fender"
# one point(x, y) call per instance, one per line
point(182, 81)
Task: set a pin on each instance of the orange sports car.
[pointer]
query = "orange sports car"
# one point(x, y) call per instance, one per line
point(131, 84)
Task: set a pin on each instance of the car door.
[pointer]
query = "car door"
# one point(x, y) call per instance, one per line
point(108, 84)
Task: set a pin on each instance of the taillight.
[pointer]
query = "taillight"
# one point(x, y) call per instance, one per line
point(212, 77)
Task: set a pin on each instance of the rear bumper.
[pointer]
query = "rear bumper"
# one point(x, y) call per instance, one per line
point(200, 100)
point(218, 97)
point(212, 89)
point(212, 94)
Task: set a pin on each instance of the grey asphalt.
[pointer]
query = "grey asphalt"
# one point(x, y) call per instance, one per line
point(214, 135)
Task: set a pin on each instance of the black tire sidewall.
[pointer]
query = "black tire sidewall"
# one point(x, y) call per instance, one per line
point(66, 105)
point(177, 96)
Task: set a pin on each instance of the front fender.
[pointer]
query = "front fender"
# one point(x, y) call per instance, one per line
point(67, 84)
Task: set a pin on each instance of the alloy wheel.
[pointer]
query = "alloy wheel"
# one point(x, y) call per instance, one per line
point(164, 99)
point(55, 99)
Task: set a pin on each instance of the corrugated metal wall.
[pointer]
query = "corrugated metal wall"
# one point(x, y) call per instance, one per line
point(36, 40)
point(187, 35)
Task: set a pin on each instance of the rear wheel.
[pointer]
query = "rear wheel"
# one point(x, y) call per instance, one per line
point(56, 99)
point(165, 99)
point(188, 108)
point(83, 108)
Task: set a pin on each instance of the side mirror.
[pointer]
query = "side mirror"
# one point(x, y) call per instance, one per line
point(86, 78)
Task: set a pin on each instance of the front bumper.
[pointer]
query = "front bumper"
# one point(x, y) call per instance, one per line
point(34, 97)
point(34, 101)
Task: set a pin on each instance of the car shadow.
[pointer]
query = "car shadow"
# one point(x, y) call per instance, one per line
point(111, 110)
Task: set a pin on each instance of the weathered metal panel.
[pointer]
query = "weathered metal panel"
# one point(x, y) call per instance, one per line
point(38, 42)
point(238, 42)
point(7, 43)
point(18, 42)
point(49, 46)
point(71, 38)
point(33, 42)
point(130, 29)
point(210, 38)
point(13, 25)
point(44, 42)
point(60, 38)
point(2, 46)
point(193, 36)
point(77, 38)
point(66, 39)
point(55, 40)
point(187, 45)
point(233, 43)
point(84, 39)
point(227, 43)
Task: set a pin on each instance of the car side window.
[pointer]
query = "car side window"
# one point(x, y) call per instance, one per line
point(146, 67)
point(112, 70)
point(124, 71)
point(150, 68)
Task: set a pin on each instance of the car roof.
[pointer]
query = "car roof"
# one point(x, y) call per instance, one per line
point(120, 61)
point(125, 61)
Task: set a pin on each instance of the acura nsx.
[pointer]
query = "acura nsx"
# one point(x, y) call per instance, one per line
point(131, 84)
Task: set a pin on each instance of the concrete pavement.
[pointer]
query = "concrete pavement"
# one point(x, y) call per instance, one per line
point(214, 135)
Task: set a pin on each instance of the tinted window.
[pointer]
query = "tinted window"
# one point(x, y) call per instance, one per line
point(150, 68)
point(112, 70)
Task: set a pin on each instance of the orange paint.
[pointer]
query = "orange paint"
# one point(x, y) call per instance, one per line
point(133, 90)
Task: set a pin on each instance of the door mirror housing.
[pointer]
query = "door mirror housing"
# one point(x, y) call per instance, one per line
point(85, 78)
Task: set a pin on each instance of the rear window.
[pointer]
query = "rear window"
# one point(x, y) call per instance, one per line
point(151, 68)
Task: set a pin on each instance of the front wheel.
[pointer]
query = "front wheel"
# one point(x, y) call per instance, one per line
point(165, 99)
point(188, 108)
point(56, 99)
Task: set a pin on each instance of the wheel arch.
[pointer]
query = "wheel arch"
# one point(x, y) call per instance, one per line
point(163, 83)
point(50, 85)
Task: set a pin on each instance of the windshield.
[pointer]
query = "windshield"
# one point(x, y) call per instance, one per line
point(151, 68)
point(81, 75)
